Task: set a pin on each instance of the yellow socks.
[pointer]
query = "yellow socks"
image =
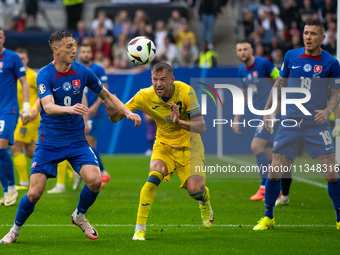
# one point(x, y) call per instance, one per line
point(147, 195)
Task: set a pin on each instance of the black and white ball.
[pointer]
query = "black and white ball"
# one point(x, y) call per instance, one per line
point(141, 50)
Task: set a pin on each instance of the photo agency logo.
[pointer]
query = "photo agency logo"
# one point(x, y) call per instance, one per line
point(240, 101)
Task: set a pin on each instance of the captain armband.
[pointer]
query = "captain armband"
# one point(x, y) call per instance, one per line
point(194, 113)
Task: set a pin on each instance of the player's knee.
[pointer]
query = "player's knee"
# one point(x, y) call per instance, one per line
point(94, 184)
point(29, 153)
point(34, 195)
point(332, 179)
point(198, 187)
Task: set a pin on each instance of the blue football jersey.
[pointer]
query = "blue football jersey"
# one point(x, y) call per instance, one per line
point(11, 69)
point(309, 72)
point(67, 90)
point(258, 77)
point(90, 95)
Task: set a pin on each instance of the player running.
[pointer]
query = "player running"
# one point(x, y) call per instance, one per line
point(61, 132)
point(178, 146)
point(316, 70)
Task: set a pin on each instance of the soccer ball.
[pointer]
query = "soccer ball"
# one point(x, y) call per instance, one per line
point(141, 50)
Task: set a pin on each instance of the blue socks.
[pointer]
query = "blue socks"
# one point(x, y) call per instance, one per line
point(334, 194)
point(86, 199)
point(7, 166)
point(272, 192)
point(262, 160)
point(25, 209)
point(100, 162)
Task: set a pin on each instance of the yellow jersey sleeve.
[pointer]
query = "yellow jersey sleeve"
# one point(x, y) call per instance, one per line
point(136, 102)
point(32, 82)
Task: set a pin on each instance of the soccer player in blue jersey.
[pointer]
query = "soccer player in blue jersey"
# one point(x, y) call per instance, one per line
point(61, 132)
point(316, 70)
point(258, 74)
point(11, 70)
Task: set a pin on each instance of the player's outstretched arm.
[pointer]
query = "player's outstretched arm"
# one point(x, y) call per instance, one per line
point(323, 115)
point(116, 105)
point(196, 125)
point(51, 108)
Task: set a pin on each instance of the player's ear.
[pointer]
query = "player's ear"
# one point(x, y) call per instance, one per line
point(323, 38)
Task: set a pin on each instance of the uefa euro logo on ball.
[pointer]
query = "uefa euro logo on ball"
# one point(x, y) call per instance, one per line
point(141, 50)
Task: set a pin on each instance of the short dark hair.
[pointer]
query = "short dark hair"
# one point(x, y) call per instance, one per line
point(85, 45)
point(22, 50)
point(242, 41)
point(317, 23)
point(57, 36)
point(160, 66)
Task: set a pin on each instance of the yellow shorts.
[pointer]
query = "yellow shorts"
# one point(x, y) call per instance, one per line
point(27, 133)
point(180, 159)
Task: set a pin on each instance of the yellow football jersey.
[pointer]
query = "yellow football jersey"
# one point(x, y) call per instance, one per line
point(169, 133)
point(31, 78)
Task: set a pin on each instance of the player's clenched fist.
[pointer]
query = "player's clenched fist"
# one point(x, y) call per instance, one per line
point(79, 109)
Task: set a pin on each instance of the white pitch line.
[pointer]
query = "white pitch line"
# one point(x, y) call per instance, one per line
point(170, 225)
point(242, 162)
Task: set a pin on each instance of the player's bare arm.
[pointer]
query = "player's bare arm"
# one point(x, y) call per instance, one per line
point(115, 104)
point(196, 125)
point(26, 96)
point(279, 83)
point(94, 107)
point(51, 108)
point(323, 115)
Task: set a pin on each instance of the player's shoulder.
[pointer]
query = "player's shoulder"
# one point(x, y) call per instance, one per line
point(180, 86)
point(328, 57)
point(8, 53)
point(146, 91)
point(95, 66)
point(295, 52)
point(46, 70)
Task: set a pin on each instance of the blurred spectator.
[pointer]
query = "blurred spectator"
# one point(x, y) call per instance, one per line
point(249, 23)
point(331, 29)
point(120, 58)
point(327, 11)
point(160, 33)
point(141, 25)
point(267, 10)
point(292, 31)
point(188, 54)
point(102, 47)
point(330, 47)
point(259, 51)
point(185, 32)
point(208, 57)
point(307, 12)
point(102, 25)
point(80, 33)
point(295, 42)
point(169, 53)
point(122, 23)
point(207, 11)
point(174, 24)
point(31, 11)
point(290, 13)
point(74, 11)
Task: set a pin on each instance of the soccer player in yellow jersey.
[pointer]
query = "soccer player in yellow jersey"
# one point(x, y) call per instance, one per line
point(25, 136)
point(178, 146)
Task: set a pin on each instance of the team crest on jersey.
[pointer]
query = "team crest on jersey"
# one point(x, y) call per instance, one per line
point(249, 76)
point(42, 89)
point(67, 86)
point(76, 84)
point(255, 74)
point(1, 65)
point(317, 69)
point(307, 68)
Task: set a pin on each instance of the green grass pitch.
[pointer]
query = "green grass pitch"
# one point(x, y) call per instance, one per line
point(305, 226)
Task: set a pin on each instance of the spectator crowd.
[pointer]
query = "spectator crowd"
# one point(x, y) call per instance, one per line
point(275, 26)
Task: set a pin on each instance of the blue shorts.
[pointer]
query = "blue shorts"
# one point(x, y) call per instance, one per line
point(317, 138)
point(263, 133)
point(96, 123)
point(47, 156)
point(8, 122)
